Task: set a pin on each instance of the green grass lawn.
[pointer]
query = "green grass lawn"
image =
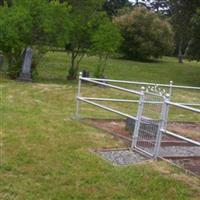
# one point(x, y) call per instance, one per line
point(45, 154)
point(54, 69)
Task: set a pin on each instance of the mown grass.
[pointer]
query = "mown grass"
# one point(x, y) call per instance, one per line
point(45, 154)
point(55, 64)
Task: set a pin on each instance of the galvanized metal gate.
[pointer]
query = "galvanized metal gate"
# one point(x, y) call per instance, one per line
point(151, 119)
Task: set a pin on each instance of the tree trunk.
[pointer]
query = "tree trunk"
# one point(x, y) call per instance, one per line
point(187, 48)
point(180, 54)
point(72, 73)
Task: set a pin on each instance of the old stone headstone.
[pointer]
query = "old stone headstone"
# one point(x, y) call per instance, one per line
point(25, 74)
point(85, 73)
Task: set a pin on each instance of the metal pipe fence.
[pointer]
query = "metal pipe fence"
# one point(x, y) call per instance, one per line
point(170, 87)
point(152, 115)
point(135, 101)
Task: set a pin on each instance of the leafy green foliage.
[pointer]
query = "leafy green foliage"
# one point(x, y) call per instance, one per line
point(112, 7)
point(182, 13)
point(105, 41)
point(145, 35)
point(194, 49)
point(86, 16)
point(15, 26)
point(32, 23)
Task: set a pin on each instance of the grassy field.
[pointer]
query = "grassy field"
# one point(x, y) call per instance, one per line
point(54, 68)
point(45, 154)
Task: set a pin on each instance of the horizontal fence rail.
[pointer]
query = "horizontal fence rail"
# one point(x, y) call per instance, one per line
point(135, 101)
point(181, 137)
point(183, 107)
point(170, 86)
point(111, 86)
point(106, 108)
point(146, 83)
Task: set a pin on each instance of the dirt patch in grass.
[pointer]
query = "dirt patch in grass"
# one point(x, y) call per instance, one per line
point(190, 164)
point(187, 129)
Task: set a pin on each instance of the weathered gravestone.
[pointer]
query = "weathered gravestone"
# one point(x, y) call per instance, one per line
point(25, 74)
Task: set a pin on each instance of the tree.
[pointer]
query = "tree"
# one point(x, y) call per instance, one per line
point(15, 25)
point(105, 41)
point(182, 13)
point(113, 6)
point(161, 6)
point(194, 50)
point(145, 35)
point(86, 16)
point(34, 23)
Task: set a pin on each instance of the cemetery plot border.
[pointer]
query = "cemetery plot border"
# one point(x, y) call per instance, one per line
point(150, 123)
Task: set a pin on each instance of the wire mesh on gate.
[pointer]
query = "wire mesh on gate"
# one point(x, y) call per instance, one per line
point(147, 136)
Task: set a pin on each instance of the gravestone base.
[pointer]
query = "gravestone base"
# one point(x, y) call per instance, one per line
point(25, 77)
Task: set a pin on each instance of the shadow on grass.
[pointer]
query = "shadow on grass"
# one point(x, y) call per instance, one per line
point(150, 60)
point(59, 81)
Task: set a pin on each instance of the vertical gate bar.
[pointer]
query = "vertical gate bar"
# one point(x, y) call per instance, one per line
point(78, 95)
point(167, 98)
point(162, 123)
point(138, 120)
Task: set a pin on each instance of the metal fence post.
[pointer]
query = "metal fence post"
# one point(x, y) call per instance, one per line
point(170, 88)
point(138, 119)
point(162, 124)
point(78, 95)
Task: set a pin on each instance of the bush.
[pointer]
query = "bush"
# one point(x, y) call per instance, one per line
point(145, 35)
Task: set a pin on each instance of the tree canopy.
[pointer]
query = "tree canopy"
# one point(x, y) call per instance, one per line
point(145, 35)
point(149, 29)
point(31, 23)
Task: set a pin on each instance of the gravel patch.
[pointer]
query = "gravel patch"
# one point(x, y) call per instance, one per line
point(122, 157)
point(127, 157)
point(179, 151)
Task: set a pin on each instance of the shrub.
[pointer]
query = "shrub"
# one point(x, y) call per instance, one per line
point(145, 35)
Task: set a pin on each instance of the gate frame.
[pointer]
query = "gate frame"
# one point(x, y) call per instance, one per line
point(161, 125)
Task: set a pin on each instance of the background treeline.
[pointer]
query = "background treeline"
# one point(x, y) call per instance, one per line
point(141, 30)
